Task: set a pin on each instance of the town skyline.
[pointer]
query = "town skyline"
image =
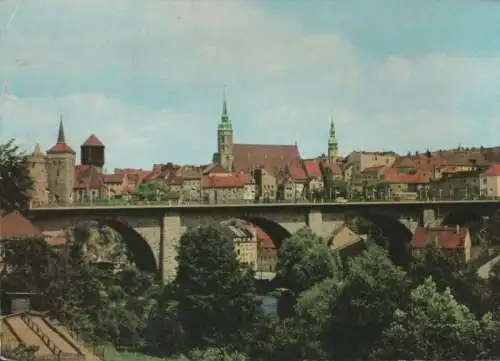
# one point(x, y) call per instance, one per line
point(153, 92)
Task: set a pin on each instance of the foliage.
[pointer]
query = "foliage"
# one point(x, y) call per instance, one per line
point(16, 183)
point(217, 304)
point(434, 326)
point(151, 190)
point(305, 259)
point(372, 290)
point(22, 353)
point(447, 270)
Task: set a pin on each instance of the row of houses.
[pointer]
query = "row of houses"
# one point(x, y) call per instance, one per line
point(459, 175)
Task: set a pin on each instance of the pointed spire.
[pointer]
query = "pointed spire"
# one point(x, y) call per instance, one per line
point(224, 102)
point(224, 117)
point(61, 139)
point(333, 137)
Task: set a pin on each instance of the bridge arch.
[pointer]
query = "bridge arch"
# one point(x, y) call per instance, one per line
point(397, 235)
point(276, 232)
point(461, 218)
point(138, 249)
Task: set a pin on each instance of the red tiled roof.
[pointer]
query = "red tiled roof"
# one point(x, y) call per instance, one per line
point(14, 224)
point(374, 169)
point(251, 156)
point(93, 141)
point(60, 148)
point(235, 180)
point(88, 176)
point(443, 237)
point(296, 172)
point(312, 168)
point(492, 171)
point(391, 175)
point(114, 178)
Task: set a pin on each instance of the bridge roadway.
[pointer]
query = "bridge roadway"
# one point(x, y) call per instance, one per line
point(174, 206)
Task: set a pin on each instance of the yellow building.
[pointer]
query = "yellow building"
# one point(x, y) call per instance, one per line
point(245, 243)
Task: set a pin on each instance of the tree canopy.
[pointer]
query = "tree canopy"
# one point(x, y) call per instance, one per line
point(215, 294)
point(16, 183)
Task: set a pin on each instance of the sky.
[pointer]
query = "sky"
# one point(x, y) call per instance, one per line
point(147, 76)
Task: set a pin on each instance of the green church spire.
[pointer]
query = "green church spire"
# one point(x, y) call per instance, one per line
point(225, 122)
point(61, 139)
point(333, 137)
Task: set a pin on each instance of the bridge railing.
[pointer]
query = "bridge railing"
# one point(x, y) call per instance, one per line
point(187, 204)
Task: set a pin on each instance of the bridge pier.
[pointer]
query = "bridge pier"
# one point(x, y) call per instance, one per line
point(171, 234)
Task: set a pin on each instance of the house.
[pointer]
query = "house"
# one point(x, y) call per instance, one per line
point(228, 188)
point(191, 183)
point(457, 185)
point(89, 183)
point(453, 239)
point(393, 183)
point(266, 184)
point(357, 161)
point(313, 171)
point(489, 182)
point(293, 182)
point(267, 253)
point(245, 242)
point(116, 185)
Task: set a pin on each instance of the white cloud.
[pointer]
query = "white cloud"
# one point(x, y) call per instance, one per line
point(287, 80)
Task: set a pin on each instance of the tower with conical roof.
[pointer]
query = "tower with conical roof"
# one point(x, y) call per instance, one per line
point(60, 166)
point(38, 171)
point(333, 146)
point(92, 152)
point(224, 155)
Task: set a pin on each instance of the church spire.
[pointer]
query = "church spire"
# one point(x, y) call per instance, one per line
point(332, 142)
point(224, 119)
point(333, 137)
point(61, 139)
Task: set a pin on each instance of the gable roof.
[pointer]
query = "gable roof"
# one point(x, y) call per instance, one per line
point(60, 148)
point(492, 171)
point(234, 180)
point(296, 172)
point(443, 237)
point(312, 168)
point(251, 156)
point(14, 224)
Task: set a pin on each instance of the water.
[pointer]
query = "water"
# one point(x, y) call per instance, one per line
point(270, 303)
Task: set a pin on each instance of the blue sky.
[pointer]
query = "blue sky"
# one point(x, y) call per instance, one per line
point(146, 76)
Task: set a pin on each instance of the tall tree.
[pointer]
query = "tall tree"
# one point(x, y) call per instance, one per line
point(217, 304)
point(15, 181)
point(372, 290)
point(304, 259)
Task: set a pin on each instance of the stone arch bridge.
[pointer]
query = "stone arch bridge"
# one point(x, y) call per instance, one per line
point(152, 231)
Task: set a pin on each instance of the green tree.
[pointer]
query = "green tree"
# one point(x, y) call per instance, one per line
point(15, 181)
point(305, 259)
point(448, 270)
point(434, 326)
point(371, 291)
point(151, 190)
point(217, 303)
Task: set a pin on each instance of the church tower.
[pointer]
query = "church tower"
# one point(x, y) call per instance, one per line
point(38, 172)
point(224, 155)
point(61, 169)
point(333, 146)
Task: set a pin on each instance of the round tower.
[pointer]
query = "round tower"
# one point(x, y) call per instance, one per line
point(92, 152)
point(37, 167)
point(61, 169)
